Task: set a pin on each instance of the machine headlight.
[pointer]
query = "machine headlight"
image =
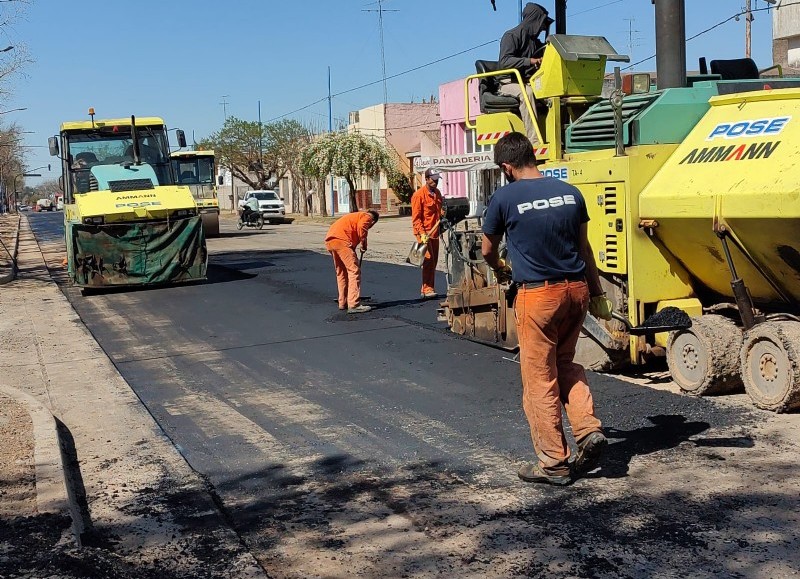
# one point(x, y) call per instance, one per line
point(94, 220)
point(183, 213)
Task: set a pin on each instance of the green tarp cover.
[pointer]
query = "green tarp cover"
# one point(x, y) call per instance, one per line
point(137, 253)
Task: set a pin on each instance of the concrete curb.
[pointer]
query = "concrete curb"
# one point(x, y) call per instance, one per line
point(10, 262)
point(51, 491)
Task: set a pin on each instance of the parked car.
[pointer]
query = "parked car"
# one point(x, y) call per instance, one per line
point(269, 203)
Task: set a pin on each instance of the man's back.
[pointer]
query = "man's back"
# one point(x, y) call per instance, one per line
point(541, 219)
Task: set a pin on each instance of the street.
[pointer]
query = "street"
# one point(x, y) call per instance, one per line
point(383, 445)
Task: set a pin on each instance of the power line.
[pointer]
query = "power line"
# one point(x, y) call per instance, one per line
point(573, 14)
point(717, 25)
point(396, 75)
point(380, 12)
point(416, 68)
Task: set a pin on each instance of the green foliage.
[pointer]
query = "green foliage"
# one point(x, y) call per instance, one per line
point(347, 155)
point(258, 154)
point(400, 184)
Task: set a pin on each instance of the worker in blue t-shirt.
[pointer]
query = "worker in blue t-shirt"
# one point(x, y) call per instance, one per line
point(544, 221)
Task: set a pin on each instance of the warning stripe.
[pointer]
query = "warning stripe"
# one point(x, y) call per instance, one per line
point(538, 151)
point(491, 136)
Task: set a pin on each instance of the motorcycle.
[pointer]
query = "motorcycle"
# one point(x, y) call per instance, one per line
point(252, 219)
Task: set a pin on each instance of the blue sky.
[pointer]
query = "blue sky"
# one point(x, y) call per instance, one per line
point(178, 58)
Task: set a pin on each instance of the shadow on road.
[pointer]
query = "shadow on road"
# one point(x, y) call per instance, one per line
point(244, 233)
point(667, 432)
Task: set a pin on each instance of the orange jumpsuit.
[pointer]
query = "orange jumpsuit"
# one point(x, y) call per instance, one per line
point(426, 211)
point(341, 241)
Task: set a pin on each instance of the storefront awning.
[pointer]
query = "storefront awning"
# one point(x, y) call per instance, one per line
point(465, 162)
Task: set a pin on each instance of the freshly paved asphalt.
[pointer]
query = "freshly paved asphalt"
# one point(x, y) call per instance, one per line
point(263, 384)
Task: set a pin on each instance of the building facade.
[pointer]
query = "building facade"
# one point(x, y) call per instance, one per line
point(786, 37)
point(408, 129)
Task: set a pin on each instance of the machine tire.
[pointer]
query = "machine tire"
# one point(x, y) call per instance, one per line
point(770, 365)
point(210, 224)
point(239, 224)
point(703, 359)
point(260, 222)
point(592, 356)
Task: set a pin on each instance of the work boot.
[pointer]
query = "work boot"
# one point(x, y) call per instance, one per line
point(590, 449)
point(359, 309)
point(532, 472)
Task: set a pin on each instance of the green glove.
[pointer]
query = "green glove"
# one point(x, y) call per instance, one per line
point(601, 307)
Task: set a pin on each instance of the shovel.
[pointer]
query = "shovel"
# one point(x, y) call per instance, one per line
point(670, 319)
point(416, 256)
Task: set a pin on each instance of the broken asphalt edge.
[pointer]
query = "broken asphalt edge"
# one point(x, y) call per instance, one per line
point(247, 565)
point(51, 490)
point(8, 256)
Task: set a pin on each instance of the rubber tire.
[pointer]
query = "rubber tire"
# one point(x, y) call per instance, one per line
point(715, 341)
point(260, 222)
point(239, 225)
point(775, 338)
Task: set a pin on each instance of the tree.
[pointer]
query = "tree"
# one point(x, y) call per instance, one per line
point(246, 150)
point(47, 189)
point(287, 140)
point(12, 161)
point(348, 155)
point(400, 184)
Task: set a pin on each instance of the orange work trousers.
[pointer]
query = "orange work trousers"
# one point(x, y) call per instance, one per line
point(348, 276)
point(549, 321)
point(429, 266)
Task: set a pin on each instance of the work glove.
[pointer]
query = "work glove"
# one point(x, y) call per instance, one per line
point(601, 307)
point(503, 272)
point(424, 238)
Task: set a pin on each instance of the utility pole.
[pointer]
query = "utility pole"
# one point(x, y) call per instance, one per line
point(520, 11)
point(330, 130)
point(224, 104)
point(260, 136)
point(380, 12)
point(631, 38)
point(748, 19)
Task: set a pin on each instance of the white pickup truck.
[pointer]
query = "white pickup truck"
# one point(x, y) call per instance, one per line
point(269, 203)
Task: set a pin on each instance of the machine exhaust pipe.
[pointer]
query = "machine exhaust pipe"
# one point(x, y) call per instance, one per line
point(670, 43)
point(561, 16)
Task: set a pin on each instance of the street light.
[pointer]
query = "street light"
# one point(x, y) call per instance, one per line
point(7, 48)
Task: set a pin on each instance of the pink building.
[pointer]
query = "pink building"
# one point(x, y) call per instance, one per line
point(453, 131)
point(469, 170)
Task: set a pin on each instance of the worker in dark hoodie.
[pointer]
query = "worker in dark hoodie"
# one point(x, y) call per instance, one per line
point(521, 48)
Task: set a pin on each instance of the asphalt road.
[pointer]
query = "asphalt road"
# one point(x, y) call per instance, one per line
point(300, 416)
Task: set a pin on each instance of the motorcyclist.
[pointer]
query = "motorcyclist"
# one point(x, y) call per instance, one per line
point(249, 209)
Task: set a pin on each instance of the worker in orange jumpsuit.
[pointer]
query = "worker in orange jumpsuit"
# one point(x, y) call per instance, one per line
point(426, 211)
point(341, 241)
point(544, 222)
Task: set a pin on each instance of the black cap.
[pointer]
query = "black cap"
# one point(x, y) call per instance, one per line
point(432, 173)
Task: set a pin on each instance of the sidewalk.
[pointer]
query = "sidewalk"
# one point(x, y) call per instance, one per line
point(129, 505)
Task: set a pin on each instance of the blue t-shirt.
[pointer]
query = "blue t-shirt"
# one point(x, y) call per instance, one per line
point(541, 219)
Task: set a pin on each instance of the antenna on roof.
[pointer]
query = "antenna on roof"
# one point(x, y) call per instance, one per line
point(380, 12)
